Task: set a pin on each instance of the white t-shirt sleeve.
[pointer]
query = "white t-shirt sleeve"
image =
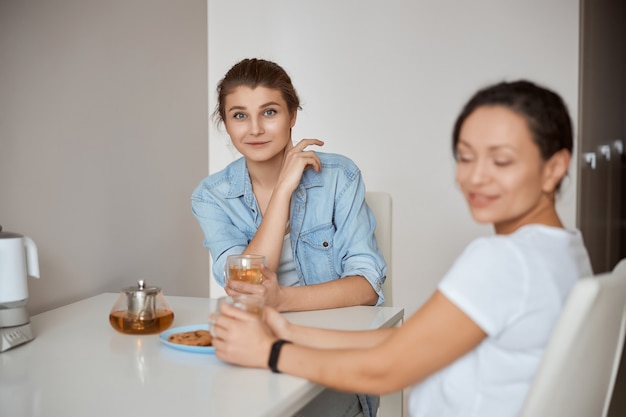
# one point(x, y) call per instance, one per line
point(488, 282)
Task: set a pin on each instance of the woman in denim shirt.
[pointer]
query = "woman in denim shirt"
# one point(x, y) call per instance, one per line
point(304, 211)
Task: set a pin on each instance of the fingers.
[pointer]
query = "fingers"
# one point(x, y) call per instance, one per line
point(296, 160)
point(305, 158)
point(235, 312)
point(241, 287)
point(268, 276)
point(226, 318)
point(300, 146)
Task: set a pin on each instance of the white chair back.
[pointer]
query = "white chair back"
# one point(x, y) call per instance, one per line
point(380, 204)
point(578, 371)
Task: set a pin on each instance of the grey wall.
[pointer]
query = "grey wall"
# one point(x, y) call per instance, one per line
point(103, 136)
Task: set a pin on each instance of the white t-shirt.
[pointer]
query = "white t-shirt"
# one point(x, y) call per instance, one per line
point(513, 287)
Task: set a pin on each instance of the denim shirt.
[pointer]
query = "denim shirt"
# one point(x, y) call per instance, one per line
point(332, 228)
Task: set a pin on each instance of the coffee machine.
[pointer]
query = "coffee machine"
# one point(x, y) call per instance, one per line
point(18, 260)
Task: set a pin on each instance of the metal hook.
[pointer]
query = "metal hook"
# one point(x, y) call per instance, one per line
point(606, 151)
point(590, 158)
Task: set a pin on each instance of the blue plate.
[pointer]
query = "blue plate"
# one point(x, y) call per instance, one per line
point(198, 349)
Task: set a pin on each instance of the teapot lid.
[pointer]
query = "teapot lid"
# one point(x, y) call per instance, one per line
point(141, 288)
point(8, 235)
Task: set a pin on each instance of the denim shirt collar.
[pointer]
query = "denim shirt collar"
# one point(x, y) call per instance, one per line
point(241, 186)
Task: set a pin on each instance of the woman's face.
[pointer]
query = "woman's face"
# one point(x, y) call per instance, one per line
point(258, 122)
point(500, 170)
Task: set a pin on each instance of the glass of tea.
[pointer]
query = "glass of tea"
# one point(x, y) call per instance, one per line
point(248, 302)
point(245, 268)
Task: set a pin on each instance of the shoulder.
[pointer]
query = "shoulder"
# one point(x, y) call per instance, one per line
point(341, 163)
point(487, 282)
point(513, 256)
point(490, 256)
point(222, 181)
point(490, 246)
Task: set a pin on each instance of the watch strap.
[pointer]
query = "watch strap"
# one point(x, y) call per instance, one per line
point(275, 353)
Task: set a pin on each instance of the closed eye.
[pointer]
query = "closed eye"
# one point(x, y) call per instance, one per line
point(503, 162)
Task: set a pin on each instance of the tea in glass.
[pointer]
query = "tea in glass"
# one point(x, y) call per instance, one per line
point(245, 268)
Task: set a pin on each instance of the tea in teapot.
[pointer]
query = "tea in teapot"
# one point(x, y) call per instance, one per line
point(141, 310)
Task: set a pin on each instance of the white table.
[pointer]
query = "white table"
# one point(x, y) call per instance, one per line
point(78, 365)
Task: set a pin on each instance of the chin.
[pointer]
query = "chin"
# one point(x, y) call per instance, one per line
point(482, 218)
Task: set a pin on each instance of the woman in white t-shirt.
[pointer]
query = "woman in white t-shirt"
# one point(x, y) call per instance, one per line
point(473, 348)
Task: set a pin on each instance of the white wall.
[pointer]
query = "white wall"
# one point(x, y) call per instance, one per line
point(103, 127)
point(382, 82)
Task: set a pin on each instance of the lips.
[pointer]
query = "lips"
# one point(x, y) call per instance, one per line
point(257, 143)
point(480, 199)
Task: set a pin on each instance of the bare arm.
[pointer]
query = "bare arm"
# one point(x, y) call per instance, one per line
point(343, 292)
point(323, 338)
point(274, 200)
point(438, 334)
point(435, 336)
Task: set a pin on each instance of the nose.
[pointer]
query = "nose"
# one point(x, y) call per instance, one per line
point(475, 172)
point(256, 126)
point(480, 172)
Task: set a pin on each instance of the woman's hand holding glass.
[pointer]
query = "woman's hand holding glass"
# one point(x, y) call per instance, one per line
point(268, 289)
point(241, 337)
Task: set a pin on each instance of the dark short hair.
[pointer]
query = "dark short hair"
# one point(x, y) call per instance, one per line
point(254, 72)
point(544, 110)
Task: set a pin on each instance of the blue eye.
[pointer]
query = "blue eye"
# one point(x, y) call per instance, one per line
point(239, 116)
point(269, 112)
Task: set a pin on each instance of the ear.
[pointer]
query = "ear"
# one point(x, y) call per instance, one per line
point(294, 116)
point(555, 169)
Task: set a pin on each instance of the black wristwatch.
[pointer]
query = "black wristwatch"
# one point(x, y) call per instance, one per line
point(274, 353)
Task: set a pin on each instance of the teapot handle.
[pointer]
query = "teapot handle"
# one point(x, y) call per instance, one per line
point(32, 259)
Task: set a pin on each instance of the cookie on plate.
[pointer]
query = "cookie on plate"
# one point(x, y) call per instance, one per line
point(193, 338)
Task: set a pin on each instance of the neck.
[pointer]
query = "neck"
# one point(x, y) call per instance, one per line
point(543, 214)
point(265, 174)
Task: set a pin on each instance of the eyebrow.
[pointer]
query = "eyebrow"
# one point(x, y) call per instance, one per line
point(490, 148)
point(262, 106)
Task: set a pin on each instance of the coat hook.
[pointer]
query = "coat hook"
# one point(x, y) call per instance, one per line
point(590, 158)
point(606, 151)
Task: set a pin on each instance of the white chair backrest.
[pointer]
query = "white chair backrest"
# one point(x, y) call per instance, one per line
point(579, 367)
point(380, 204)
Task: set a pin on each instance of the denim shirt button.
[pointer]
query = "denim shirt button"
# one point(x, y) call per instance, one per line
point(325, 244)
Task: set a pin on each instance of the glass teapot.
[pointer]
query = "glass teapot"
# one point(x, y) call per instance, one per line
point(141, 310)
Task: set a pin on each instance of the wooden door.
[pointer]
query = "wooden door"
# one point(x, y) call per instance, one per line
point(602, 128)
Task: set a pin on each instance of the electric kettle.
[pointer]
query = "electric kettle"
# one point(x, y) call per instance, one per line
point(18, 260)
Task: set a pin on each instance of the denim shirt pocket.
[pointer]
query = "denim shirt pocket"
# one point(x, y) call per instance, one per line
point(317, 253)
